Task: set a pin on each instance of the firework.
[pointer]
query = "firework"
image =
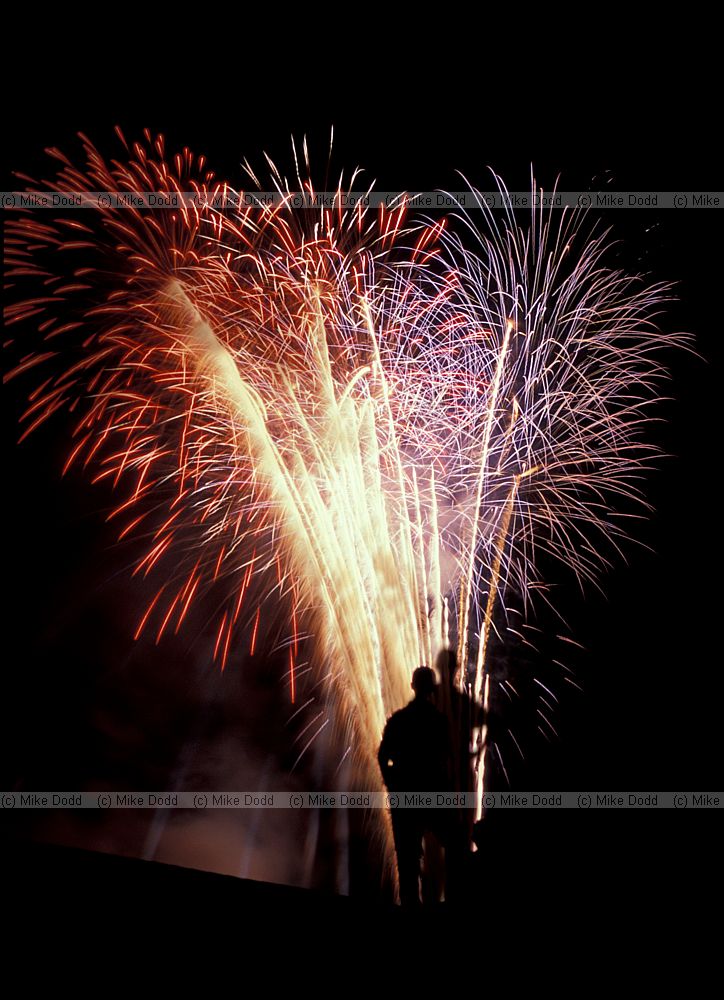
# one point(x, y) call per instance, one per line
point(363, 425)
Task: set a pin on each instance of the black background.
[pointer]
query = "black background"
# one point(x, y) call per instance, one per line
point(411, 112)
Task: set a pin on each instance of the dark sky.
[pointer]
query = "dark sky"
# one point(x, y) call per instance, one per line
point(649, 714)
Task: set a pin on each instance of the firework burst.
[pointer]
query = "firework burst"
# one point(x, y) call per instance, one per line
point(364, 429)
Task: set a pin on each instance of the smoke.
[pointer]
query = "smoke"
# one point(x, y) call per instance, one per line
point(99, 712)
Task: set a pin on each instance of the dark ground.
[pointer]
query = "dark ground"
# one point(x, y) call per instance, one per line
point(552, 894)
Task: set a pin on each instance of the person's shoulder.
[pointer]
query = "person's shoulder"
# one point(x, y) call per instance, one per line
point(405, 717)
point(398, 716)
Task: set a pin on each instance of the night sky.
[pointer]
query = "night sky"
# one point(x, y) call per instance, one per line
point(87, 705)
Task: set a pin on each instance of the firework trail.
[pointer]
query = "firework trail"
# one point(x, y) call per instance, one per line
point(362, 425)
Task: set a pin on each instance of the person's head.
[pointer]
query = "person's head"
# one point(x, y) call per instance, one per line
point(447, 667)
point(423, 682)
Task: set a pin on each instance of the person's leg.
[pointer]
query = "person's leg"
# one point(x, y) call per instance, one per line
point(408, 845)
point(433, 875)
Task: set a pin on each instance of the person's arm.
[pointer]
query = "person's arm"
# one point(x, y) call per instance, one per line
point(383, 754)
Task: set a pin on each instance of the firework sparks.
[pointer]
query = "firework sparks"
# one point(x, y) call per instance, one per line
point(369, 427)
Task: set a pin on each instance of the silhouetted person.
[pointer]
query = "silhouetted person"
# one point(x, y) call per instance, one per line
point(457, 706)
point(414, 756)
